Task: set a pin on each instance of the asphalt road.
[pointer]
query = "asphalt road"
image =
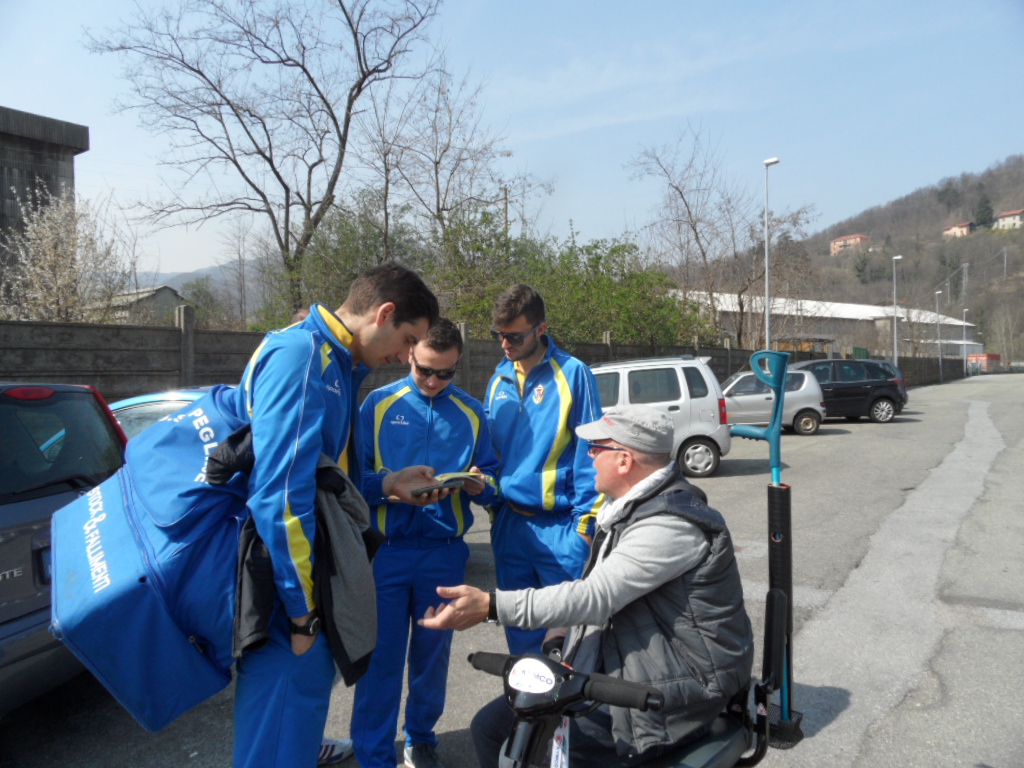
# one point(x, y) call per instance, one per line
point(908, 642)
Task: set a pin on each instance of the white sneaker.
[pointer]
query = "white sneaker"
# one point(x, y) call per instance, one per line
point(333, 751)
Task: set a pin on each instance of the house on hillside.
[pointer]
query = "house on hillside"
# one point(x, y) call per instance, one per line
point(959, 230)
point(1010, 220)
point(847, 242)
point(149, 306)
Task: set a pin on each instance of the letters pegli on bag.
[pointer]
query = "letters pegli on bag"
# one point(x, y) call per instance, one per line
point(143, 586)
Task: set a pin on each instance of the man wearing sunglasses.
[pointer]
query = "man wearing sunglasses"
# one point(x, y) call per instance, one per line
point(422, 419)
point(537, 397)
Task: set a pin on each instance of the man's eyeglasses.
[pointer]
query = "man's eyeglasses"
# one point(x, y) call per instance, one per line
point(595, 448)
point(444, 374)
point(514, 339)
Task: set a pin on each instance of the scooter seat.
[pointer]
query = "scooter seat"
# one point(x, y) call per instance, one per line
point(723, 744)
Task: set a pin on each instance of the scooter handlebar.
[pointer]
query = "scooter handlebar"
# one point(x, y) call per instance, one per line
point(491, 663)
point(622, 693)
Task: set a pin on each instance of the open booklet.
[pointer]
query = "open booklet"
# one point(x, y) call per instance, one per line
point(446, 477)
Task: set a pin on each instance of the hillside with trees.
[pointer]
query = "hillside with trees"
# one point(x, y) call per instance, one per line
point(983, 271)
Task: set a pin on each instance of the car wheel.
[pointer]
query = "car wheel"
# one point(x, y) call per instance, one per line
point(699, 457)
point(883, 410)
point(806, 423)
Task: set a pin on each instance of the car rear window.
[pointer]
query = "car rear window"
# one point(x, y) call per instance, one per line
point(654, 385)
point(851, 372)
point(695, 383)
point(794, 381)
point(876, 371)
point(65, 440)
point(608, 389)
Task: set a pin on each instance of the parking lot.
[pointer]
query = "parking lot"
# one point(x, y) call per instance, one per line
point(909, 613)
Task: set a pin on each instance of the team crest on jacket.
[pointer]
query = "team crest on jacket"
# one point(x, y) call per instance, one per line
point(538, 394)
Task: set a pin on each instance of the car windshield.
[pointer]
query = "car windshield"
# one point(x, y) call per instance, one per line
point(65, 441)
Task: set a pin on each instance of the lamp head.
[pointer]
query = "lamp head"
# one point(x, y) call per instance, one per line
point(896, 258)
point(771, 161)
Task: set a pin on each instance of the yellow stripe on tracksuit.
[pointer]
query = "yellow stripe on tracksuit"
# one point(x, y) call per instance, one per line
point(298, 548)
point(251, 370)
point(456, 497)
point(378, 461)
point(563, 437)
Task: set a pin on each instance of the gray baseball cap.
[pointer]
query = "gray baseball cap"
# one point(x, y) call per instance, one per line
point(634, 426)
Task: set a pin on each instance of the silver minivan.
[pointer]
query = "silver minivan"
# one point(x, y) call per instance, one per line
point(748, 400)
point(683, 387)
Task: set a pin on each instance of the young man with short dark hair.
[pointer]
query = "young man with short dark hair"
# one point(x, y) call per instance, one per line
point(299, 396)
point(538, 395)
point(421, 419)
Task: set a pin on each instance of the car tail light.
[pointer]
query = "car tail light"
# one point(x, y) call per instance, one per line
point(121, 436)
point(29, 393)
point(723, 417)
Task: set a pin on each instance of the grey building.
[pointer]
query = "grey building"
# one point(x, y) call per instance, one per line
point(33, 147)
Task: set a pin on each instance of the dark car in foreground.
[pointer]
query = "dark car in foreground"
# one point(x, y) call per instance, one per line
point(855, 388)
point(57, 441)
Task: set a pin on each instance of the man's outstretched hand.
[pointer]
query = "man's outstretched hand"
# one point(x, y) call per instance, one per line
point(466, 608)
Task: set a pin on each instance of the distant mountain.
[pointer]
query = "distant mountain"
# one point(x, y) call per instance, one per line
point(177, 279)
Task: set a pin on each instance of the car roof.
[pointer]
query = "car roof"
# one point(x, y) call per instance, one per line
point(649, 361)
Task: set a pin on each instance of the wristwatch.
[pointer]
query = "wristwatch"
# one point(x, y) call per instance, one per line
point(492, 609)
point(311, 629)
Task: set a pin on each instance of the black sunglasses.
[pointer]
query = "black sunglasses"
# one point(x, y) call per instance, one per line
point(515, 339)
point(444, 374)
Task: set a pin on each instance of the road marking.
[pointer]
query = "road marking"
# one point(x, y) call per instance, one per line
point(860, 655)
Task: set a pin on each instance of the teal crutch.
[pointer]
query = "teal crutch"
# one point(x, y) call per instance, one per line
point(770, 367)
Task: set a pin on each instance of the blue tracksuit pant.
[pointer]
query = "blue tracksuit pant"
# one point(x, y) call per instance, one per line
point(407, 581)
point(281, 701)
point(534, 551)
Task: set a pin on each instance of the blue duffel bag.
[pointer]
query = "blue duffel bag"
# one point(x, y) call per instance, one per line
point(143, 582)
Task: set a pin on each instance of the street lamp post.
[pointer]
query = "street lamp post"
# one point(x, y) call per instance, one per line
point(767, 290)
point(895, 316)
point(938, 332)
point(964, 341)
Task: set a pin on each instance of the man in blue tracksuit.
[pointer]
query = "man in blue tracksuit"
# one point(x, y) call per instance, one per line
point(299, 394)
point(422, 419)
point(537, 397)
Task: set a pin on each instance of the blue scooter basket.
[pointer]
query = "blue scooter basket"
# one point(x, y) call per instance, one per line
point(110, 611)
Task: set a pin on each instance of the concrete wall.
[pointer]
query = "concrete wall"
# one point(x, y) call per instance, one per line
point(121, 361)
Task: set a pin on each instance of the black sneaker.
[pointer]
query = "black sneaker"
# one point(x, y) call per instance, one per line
point(422, 756)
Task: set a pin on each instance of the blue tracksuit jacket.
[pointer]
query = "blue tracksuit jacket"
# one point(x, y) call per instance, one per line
point(544, 466)
point(402, 427)
point(299, 392)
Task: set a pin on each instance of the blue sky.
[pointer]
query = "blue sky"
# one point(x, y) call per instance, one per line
point(863, 101)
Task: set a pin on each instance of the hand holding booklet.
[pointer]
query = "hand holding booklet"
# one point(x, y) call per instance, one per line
point(450, 480)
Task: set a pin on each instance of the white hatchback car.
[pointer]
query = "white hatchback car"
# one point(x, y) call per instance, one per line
point(683, 387)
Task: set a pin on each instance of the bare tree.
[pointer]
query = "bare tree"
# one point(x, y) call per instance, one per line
point(710, 230)
point(258, 100)
point(238, 245)
point(68, 262)
point(450, 161)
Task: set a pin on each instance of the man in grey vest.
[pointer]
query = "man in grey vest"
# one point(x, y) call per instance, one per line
point(660, 602)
